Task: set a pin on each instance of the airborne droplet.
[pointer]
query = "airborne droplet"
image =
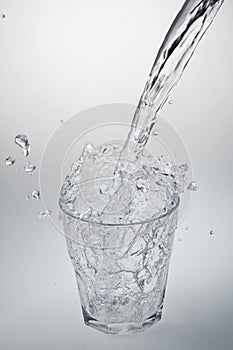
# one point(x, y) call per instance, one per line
point(9, 161)
point(35, 194)
point(22, 141)
point(44, 214)
point(29, 168)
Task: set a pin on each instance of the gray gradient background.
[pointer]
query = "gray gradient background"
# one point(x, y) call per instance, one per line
point(61, 57)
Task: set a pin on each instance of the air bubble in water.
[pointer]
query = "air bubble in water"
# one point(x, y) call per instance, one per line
point(29, 168)
point(104, 188)
point(9, 161)
point(44, 214)
point(211, 232)
point(184, 167)
point(192, 186)
point(22, 141)
point(86, 215)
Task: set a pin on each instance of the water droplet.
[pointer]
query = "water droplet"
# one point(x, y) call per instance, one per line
point(192, 186)
point(29, 168)
point(9, 161)
point(44, 214)
point(3, 16)
point(170, 102)
point(22, 141)
point(104, 188)
point(35, 194)
point(211, 232)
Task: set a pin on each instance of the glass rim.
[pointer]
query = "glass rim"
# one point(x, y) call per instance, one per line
point(104, 224)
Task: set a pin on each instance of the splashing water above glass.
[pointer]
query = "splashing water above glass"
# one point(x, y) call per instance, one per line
point(131, 288)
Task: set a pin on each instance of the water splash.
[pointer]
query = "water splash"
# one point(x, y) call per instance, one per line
point(9, 161)
point(174, 54)
point(22, 141)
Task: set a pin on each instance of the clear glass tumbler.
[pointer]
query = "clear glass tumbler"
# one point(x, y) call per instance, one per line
point(121, 270)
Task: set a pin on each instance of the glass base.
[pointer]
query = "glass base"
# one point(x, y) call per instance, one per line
point(121, 328)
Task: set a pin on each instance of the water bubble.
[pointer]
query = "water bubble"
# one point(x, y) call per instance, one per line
point(86, 215)
point(104, 188)
point(29, 168)
point(192, 186)
point(170, 102)
point(211, 232)
point(22, 141)
point(9, 161)
point(3, 16)
point(44, 214)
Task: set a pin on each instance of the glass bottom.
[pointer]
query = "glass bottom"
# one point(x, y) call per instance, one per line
point(121, 328)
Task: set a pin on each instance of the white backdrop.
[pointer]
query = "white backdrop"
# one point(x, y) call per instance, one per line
point(61, 57)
